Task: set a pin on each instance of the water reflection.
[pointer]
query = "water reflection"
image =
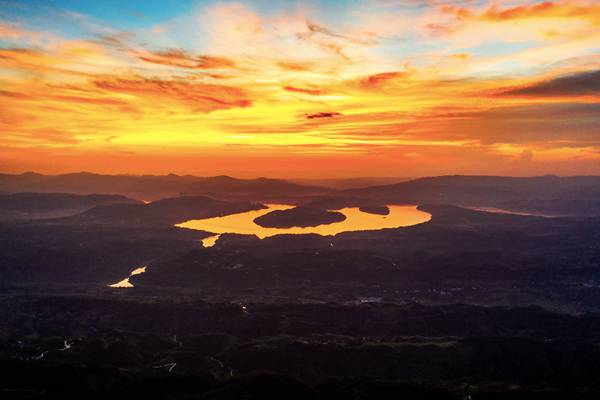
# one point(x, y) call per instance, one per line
point(210, 241)
point(356, 220)
point(125, 282)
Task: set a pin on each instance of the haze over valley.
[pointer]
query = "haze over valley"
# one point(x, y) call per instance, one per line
point(397, 253)
point(299, 199)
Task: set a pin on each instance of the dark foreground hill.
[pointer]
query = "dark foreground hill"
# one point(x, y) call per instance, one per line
point(165, 212)
point(56, 347)
point(105, 243)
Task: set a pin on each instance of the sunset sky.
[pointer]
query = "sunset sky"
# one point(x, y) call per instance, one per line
point(300, 88)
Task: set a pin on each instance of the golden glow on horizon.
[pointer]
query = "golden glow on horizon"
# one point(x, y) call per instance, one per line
point(479, 88)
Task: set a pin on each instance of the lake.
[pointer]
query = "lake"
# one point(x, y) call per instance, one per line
point(356, 220)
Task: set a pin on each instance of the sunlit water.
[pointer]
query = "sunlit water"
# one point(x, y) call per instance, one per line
point(356, 220)
point(125, 282)
point(210, 241)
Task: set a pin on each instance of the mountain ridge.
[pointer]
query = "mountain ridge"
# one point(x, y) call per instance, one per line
point(152, 187)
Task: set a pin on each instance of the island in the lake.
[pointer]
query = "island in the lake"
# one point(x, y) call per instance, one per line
point(379, 210)
point(301, 216)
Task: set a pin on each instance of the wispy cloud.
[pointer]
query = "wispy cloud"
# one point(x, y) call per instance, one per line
point(181, 58)
point(396, 83)
point(304, 90)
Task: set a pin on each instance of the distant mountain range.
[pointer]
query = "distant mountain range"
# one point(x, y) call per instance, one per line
point(161, 212)
point(351, 183)
point(53, 205)
point(548, 195)
point(152, 187)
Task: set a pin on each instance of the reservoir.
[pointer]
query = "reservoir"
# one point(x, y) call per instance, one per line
point(356, 220)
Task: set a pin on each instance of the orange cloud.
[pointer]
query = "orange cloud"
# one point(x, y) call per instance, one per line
point(295, 66)
point(74, 58)
point(182, 59)
point(11, 32)
point(376, 80)
point(547, 9)
point(313, 92)
point(198, 96)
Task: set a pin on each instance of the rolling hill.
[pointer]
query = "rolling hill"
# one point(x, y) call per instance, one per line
point(153, 187)
point(53, 205)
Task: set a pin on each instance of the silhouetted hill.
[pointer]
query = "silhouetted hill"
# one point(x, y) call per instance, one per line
point(379, 210)
point(156, 186)
point(351, 183)
point(336, 202)
point(53, 205)
point(256, 189)
point(163, 212)
point(300, 217)
point(577, 195)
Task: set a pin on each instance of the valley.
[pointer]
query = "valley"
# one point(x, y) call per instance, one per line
point(190, 296)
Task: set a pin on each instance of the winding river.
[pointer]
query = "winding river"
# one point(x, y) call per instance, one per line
point(356, 220)
point(125, 282)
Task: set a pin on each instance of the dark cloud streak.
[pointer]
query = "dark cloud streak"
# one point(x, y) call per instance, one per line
point(330, 114)
point(580, 84)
